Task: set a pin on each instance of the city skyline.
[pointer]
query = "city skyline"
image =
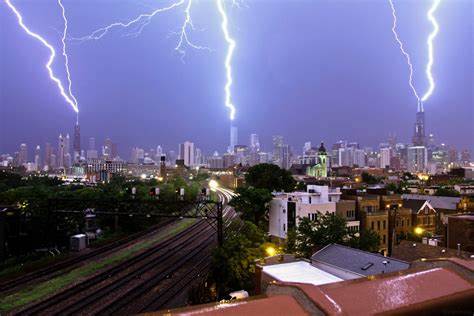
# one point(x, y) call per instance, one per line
point(315, 100)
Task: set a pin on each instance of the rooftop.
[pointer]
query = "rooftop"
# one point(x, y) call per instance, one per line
point(358, 261)
point(300, 272)
point(441, 202)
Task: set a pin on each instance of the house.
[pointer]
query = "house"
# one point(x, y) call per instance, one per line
point(424, 215)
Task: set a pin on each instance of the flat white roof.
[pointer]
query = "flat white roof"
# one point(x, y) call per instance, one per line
point(300, 271)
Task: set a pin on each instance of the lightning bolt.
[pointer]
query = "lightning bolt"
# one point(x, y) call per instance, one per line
point(66, 57)
point(429, 65)
point(402, 49)
point(431, 37)
point(52, 55)
point(143, 20)
point(140, 22)
point(183, 35)
point(228, 59)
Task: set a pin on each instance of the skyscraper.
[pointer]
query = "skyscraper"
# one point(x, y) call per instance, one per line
point(254, 143)
point(419, 138)
point(77, 142)
point(23, 155)
point(48, 151)
point(385, 154)
point(186, 153)
point(38, 157)
point(417, 158)
point(91, 150)
point(61, 151)
point(233, 138)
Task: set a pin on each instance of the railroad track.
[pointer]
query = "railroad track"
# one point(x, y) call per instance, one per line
point(74, 291)
point(117, 288)
point(68, 264)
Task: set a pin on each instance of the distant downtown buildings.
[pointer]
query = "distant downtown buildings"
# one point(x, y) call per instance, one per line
point(422, 155)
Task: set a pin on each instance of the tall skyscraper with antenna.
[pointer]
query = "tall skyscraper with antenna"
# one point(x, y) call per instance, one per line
point(419, 138)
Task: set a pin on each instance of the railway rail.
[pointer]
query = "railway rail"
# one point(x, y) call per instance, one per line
point(121, 289)
point(68, 264)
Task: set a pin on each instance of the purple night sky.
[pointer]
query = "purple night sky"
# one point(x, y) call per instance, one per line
point(307, 70)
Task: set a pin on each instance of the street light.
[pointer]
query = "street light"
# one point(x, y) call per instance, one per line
point(213, 185)
point(419, 231)
point(271, 251)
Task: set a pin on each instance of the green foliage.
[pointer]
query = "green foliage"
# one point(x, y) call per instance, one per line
point(368, 240)
point(369, 179)
point(311, 236)
point(446, 191)
point(233, 264)
point(270, 177)
point(314, 235)
point(252, 205)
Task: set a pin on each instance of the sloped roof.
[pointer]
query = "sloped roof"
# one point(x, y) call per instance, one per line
point(358, 261)
point(437, 202)
point(414, 205)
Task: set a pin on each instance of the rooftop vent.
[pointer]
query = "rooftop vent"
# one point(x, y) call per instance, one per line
point(367, 266)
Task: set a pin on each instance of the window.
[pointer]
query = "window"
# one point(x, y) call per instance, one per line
point(383, 239)
point(284, 227)
point(408, 222)
point(372, 225)
point(428, 220)
point(378, 225)
point(397, 222)
point(402, 222)
point(384, 224)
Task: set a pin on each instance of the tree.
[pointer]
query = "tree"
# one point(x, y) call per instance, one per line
point(446, 191)
point(233, 264)
point(252, 205)
point(270, 177)
point(368, 240)
point(314, 235)
point(369, 179)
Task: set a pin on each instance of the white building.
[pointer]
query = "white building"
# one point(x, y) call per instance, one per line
point(186, 152)
point(286, 208)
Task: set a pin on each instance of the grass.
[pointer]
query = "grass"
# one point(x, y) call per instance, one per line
point(41, 290)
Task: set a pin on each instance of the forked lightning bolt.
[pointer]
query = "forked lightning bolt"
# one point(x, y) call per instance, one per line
point(429, 65)
point(138, 23)
point(66, 57)
point(52, 55)
point(228, 59)
point(400, 44)
point(431, 37)
point(142, 20)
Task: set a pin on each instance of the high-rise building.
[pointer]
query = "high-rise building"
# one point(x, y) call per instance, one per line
point(359, 158)
point(465, 157)
point(385, 154)
point(48, 151)
point(417, 158)
point(277, 144)
point(67, 145)
point(23, 155)
point(61, 151)
point(254, 143)
point(186, 153)
point(77, 142)
point(233, 138)
point(306, 147)
point(198, 157)
point(91, 149)
point(38, 158)
point(419, 138)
